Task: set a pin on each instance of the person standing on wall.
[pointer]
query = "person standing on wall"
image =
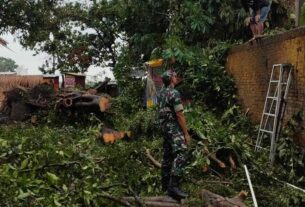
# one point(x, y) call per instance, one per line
point(258, 10)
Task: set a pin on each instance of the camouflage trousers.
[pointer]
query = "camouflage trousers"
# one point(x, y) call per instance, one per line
point(174, 156)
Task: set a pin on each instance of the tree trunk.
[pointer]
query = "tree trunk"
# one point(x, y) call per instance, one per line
point(158, 201)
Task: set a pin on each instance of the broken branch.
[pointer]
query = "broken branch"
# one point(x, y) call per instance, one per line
point(151, 158)
point(53, 165)
point(118, 200)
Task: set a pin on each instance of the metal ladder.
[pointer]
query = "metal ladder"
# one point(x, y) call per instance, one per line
point(274, 108)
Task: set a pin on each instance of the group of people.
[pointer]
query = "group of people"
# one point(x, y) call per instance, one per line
point(172, 120)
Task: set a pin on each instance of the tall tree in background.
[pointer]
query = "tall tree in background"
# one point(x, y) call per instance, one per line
point(7, 65)
point(74, 34)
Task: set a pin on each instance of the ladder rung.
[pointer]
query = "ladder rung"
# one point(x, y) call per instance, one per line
point(274, 81)
point(282, 65)
point(268, 114)
point(272, 97)
point(263, 130)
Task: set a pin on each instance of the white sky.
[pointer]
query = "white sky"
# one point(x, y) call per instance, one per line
point(26, 59)
point(22, 57)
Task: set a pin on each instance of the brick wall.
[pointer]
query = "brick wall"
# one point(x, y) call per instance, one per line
point(251, 67)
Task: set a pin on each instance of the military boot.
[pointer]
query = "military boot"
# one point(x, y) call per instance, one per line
point(165, 182)
point(174, 190)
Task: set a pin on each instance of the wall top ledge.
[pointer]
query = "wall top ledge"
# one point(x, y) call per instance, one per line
point(288, 35)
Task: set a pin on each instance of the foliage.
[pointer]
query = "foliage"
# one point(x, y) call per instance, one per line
point(234, 131)
point(216, 133)
point(291, 155)
point(64, 164)
point(7, 65)
point(77, 34)
point(67, 166)
point(209, 79)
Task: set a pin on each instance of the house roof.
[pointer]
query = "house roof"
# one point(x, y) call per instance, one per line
point(112, 82)
point(50, 76)
point(8, 73)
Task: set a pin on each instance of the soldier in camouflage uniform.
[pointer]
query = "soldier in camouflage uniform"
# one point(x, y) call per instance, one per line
point(176, 137)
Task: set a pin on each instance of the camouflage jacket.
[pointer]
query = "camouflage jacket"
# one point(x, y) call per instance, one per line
point(169, 102)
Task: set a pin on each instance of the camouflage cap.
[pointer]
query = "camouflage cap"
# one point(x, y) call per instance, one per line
point(166, 76)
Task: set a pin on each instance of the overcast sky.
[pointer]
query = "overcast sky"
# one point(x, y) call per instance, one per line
point(26, 58)
point(22, 57)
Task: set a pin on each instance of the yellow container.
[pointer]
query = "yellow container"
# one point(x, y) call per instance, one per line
point(155, 63)
point(149, 102)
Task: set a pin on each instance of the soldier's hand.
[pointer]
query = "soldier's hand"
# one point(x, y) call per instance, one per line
point(188, 139)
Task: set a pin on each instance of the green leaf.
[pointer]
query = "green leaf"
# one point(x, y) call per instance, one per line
point(87, 192)
point(24, 163)
point(52, 178)
point(64, 187)
point(23, 195)
point(149, 189)
point(208, 161)
point(3, 143)
point(57, 203)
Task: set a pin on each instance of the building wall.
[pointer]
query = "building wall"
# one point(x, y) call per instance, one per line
point(251, 67)
point(72, 81)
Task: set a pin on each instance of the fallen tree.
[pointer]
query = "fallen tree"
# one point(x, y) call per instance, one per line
point(21, 103)
point(79, 99)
